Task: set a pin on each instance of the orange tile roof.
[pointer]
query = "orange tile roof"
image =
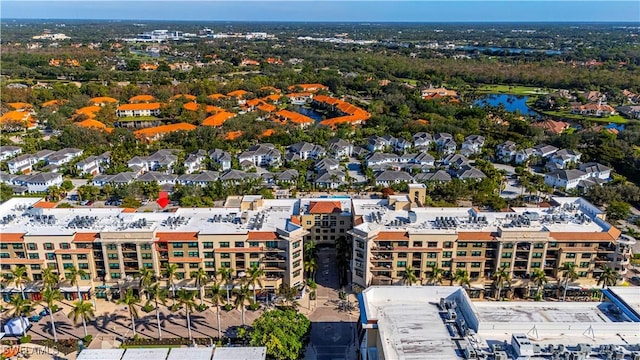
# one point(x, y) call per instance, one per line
point(53, 103)
point(91, 123)
point(262, 235)
point(562, 236)
point(422, 121)
point(553, 126)
point(300, 94)
point(389, 235)
point(141, 98)
point(163, 129)
point(102, 100)
point(213, 109)
point(44, 205)
point(128, 210)
point(294, 117)
point(90, 111)
point(267, 133)
point(191, 106)
point(309, 87)
point(238, 93)
point(266, 107)
point(218, 119)
point(233, 135)
point(296, 220)
point(253, 102)
point(20, 106)
point(217, 96)
point(325, 207)
point(186, 96)
point(84, 237)
point(476, 235)
point(271, 88)
point(177, 236)
point(272, 98)
point(11, 237)
point(147, 67)
point(16, 116)
point(142, 106)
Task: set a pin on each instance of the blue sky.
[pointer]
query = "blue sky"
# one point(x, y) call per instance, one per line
point(369, 11)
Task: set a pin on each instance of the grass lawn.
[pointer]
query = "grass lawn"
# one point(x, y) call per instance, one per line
point(409, 81)
point(514, 90)
point(617, 119)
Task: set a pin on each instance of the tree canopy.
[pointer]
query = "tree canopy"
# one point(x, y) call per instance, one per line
point(283, 332)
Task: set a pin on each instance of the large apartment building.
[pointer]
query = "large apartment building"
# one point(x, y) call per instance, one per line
point(111, 244)
point(392, 234)
point(326, 219)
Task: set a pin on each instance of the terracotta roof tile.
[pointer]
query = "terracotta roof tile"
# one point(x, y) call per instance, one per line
point(163, 129)
point(191, 106)
point(186, 96)
point(218, 119)
point(84, 237)
point(238, 93)
point(177, 236)
point(11, 237)
point(389, 235)
point(141, 106)
point(476, 235)
point(233, 135)
point(262, 235)
point(20, 106)
point(142, 98)
point(324, 207)
point(45, 205)
point(217, 96)
point(562, 236)
point(102, 100)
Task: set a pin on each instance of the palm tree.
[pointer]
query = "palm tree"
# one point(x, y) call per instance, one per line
point(170, 272)
point(74, 275)
point(243, 294)
point(130, 299)
point(408, 276)
point(201, 278)
point(568, 274)
point(19, 277)
point(51, 297)
point(313, 286)
point(146, 278)
point(436, 275)
point(49, 278)
point(82, 310)
point(310, 250)
point(462, 277)
point(501, 277)
point(310, 267)
point(21, 309)
point(157, 294)
point(225, 274)
point(539, 278)
point(217, 298)
point(254, 277)
point(186, 299)
point(608, 277)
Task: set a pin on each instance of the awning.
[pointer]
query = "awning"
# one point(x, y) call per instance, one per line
point(74, 289)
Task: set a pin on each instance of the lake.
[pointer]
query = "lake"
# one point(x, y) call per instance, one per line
point(308, 112)
point(511, 103)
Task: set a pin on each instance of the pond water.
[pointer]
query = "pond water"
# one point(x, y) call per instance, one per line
point(308, 112)
point(511, 103)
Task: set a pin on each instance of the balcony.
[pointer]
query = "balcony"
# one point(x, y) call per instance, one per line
point(490, 254)
point(523, 247)
point(602, 258)
point(549, 265)
point(273, 269)
point(380, 268)
point(126, 248)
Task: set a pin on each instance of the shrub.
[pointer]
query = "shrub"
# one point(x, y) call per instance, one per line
point(201, 307)
point(174, 308)
point(148, 308)
point(227, 307)
point(25, 339)
point(254, 306)
point(87, 339)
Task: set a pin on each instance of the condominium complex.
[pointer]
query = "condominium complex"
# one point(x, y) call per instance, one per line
point(388, 235)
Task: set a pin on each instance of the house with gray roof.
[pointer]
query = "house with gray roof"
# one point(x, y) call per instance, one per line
point(567, 179)
point(522, 156)
point(506, 151)
point(237, 176)
point(331, 179)
point(93, 165)
point(195, 161)
point(360, 152)
point(454, 160)
point(381, 159)
point(448, 146)
point(562, 158)
point(389, 177)
point(378, 143)
point(307, 150)
point(159, 177)
point(422, 140)
point(544, 150)
point(122, 178)
point(221, 157)
point(8, 151)
point(401, 145)
point(161, 159)
point(467, 171)
point(596, 170)
point(440, 176)
point(63, 156)
point(38, 183)
point(288, 176)
point(340, 148)
point(261, 155)
point(24, 163)
point(201, 179)
point(473, 144)
point(326, 164)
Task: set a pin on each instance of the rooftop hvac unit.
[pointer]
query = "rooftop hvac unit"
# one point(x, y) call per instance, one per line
point(618, 355)
point(500, 355)
point(470, 353)
point(635, 355)
point(451, 314)
point(585, 348)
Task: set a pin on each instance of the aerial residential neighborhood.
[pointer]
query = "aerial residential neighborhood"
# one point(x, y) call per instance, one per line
point(319, 190)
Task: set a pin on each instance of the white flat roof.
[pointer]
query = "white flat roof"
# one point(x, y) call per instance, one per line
point(101, 354)
point(240, 353)
point(629, 294)
point(199, 353)
point(146, 353)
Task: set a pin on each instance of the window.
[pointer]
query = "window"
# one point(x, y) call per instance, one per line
point(178, 253)
point(225, 255)
point(147, 265)
point(432, 244)
point(18, 246)
point(296, 273)
point(145, 246)
point(66, 257)
point(254, 256)
point(112, 247)
point(507, 255)
point(67, 265)
point(4, 255)
point(297, 254)
point(35, 266)
point(461, 253)
point(112, 256)
point(475, 265)
point(417, 244)
point(447, 254)
point(461, 264)
point(536, 255)
point(582, 273)
point(585, 256)
point(296, 244)
point(448, 244)
point(254, 244)
point(430, 263)
point(194, 254)
point(254, 263)
point(584, 264)
point(432, 255)
point(65, 246)
point(226, 264)
point(535, 265)
point(193, 244)
point(48, 246)
point(4, 246)
point(505, 265)
point(401, 264)
point(224, 244)
point(115, 275)
point(476, 253)
point(402, 255)
point(50, 256)
point(538, 245)
point(308, 222)
point(114, 266)
point(239, 244)
point(296, 263)
point(209, 255)
point(209, 264)
point(146, 256)
point(207, 245)
point(571, 255)
point(477, 244)
point(553, 244)
point(194, 265)
point(32, 246)
point(31, 256)
point(462, 244)
point(177, 245)
point(82, 256)
point(507, 245)
point(273, 244)
point(83, 266)
point(445, 264)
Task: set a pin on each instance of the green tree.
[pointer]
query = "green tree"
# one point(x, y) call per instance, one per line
point(50, 279)
point(311, 267)
point(435, 276)
point(19, 277)
point(170, 273)
point(500, 278)
point(201, 279)
point(159, 295)
point(608, 276)
point(254, 276)
point(282, 332)
point(51, 297)
point(146, 277)
point(21, 309)
point(568, 274)
point(131, 300)
point(6, 192)
point(226, 276)
point(82, 310)
point(217, 298)
point(618, 210)
point(461, 276)
point(74, 275)
point(539, 278)
point(186, 299)
point(408, 276)
point(67, 185)
point(243, 295)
